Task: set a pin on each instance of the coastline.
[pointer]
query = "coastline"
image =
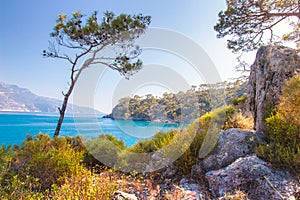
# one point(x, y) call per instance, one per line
point(167, 121)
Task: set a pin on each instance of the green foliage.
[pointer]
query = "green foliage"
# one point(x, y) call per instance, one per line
point(183, 107)
point(189, 155)
point(6, 158)
point(239, 100)
point(90, 34)
point(86, 186)
point(46, 168)
point(283, 136)
point(106, 148)
point(226, 117)
point(158, 141)
point(251, 22)
point(21, 188)
point(48, 160)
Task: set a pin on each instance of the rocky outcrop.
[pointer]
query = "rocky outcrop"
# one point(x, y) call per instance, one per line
point(232, 144)
point(233, 166)
point(272, 67)
point(254, 176)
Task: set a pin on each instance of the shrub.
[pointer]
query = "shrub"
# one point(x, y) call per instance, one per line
point(225, 117)
point(101, 151)
point(12, 186)
point(283, 130)
point(158, 141)
point(189, 156)
point(48, 160)
point(6, 157)
point(21, 188)
point(239, 100)
point(86, 186)
point(46, 168)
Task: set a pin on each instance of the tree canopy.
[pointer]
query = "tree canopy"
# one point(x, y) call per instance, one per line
point(182, 107)
point(250, 23)
point(80, 40)
point(93, 36)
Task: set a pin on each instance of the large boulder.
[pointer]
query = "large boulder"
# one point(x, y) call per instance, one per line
point(255, 177)
point(232, 144)
point(272, 67)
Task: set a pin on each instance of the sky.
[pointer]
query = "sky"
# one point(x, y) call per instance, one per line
point(26, 25)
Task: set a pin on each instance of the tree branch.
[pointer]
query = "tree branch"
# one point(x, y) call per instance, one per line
point(283, 15)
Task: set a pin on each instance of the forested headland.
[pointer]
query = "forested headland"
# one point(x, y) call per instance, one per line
point(182, 107)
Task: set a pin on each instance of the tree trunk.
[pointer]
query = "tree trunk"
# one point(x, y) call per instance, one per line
point(63, 109)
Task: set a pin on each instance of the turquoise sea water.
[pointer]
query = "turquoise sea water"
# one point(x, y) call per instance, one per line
point(15, 126)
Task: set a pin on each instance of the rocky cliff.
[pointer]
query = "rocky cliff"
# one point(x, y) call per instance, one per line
point(272, 67)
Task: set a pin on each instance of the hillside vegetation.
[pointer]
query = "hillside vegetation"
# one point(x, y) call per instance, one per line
point(182, 107)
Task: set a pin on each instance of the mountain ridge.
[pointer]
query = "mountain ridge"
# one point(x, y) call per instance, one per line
point(16, 99)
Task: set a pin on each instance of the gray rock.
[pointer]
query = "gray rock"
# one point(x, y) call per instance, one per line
point(170, 172)
point(255, 177)
point(119, 195)
point(157, 156)
point(189, 190)
point(183, 181)
point(232, 144)
point(272, 67)
point(158, 160)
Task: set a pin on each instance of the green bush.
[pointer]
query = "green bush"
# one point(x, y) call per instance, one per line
point(239, 100)
point(48, 160)
point(86, 186)
point(283, 130)
point(18, 187)
point(189, 157)
point(158, 141)
point(104, 148)
point(46, 168)
point(6, 158)
point(13, 186)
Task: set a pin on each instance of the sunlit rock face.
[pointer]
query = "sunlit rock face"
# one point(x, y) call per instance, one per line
point(273, 66)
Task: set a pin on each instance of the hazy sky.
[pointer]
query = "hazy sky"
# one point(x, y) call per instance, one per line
point(25, 28)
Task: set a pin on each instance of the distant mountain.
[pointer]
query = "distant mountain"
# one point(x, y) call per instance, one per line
point(16, 99)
